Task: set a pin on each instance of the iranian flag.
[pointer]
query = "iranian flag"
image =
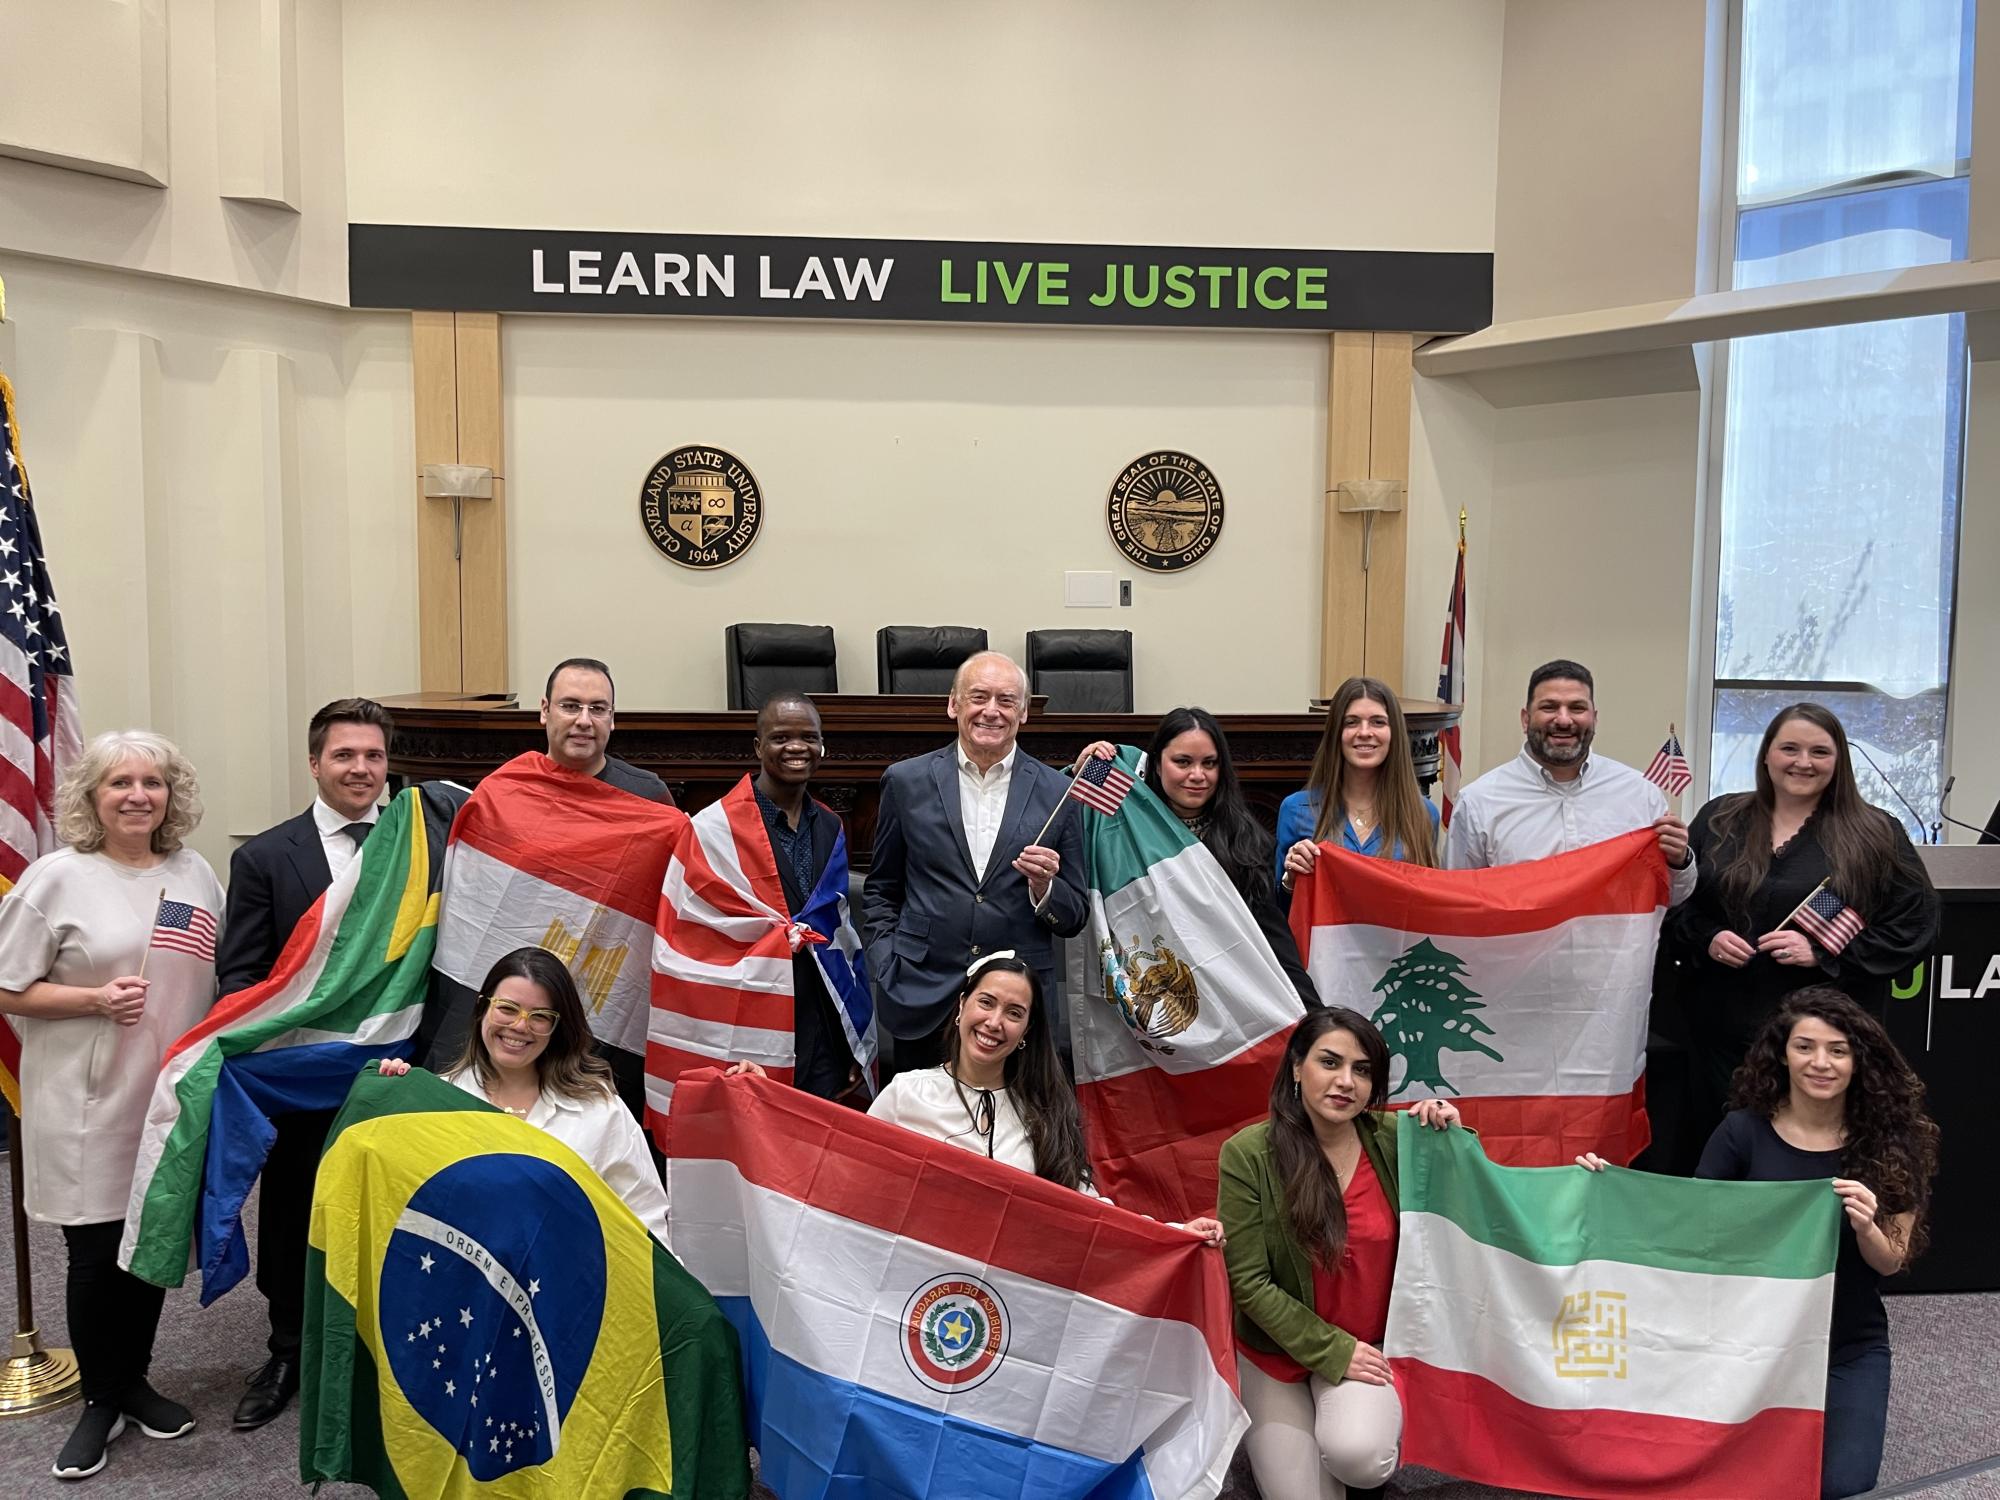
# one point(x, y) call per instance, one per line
point(544, 857)
point(1179, 1013)
point(1520, 992)
point(1610, 1334)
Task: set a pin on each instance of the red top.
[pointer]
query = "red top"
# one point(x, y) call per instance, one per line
point(1354, 1297)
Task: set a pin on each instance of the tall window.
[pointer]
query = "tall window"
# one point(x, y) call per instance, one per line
point(1836, 528)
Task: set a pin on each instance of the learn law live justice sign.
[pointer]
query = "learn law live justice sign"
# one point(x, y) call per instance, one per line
point(921, 281)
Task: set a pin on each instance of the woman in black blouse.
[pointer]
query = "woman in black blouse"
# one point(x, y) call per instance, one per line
point(1761, 854)
point(1823, 1093)
point(1188, 767)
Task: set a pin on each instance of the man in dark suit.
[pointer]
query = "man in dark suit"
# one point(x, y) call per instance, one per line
point(273, 880)
point(955, 875)
point(802, 832)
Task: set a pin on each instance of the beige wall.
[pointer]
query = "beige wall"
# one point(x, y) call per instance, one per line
point(119, 79)
point(1605, 140)
point(912, 476)
point(1337, 123)
point(222, 483)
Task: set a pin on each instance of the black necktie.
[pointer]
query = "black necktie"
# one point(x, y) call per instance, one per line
point(358, 832)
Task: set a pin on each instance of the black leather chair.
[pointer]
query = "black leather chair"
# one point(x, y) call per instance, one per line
point(1081, 671)
point(766, 659)
point(922, 658)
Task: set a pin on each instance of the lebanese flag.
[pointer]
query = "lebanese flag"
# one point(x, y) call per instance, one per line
point(722, 954)
point(543, 857)
point(1180, 1012)
point(1519, 992)
point(1610, 1333)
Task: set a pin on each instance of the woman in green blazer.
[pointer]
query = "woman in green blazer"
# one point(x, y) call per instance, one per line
point(1308, 1202)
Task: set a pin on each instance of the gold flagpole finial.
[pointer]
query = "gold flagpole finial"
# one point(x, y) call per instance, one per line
point(1461, 526)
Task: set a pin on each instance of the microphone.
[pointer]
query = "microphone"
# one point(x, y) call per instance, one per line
point(1949, 782)
point(1932, 839)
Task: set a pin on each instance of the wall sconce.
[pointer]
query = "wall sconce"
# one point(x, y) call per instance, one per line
point(1370, 497)
point(457, 483)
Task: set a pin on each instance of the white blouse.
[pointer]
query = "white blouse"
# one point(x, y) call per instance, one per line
point(602, 1131)
point(84, 919)
point(930, 1102)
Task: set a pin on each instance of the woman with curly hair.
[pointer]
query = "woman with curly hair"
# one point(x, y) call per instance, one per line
point(107, 954)
point(1308, 1201)
point(1823, 1093)
point(1760, 854)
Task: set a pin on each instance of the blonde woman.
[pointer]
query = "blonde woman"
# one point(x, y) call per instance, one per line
point(107, 954)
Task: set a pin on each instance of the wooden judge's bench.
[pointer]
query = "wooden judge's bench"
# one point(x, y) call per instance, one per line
point(701, 755)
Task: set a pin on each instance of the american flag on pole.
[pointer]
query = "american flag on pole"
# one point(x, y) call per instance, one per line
point(39, 726)
point(1100, 784)
point(1669, 770)
point(1451, 684)
point(185, 929)
point(1827, 919)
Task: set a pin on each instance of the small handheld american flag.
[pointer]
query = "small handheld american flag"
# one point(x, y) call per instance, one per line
point(1669, 770)
point(1100, 784)
point(184, 929)
point(1827, 919)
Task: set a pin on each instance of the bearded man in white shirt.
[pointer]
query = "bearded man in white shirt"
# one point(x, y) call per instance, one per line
point(1555, 795)
point(955, 874)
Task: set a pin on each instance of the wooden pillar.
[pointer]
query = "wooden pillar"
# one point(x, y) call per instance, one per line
point(462, 562)
point(1367, 438)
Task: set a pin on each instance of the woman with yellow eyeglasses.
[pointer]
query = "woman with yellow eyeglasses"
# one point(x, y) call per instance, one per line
point(529, 1053)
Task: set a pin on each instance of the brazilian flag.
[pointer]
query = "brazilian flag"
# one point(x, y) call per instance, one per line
point(484, 1317)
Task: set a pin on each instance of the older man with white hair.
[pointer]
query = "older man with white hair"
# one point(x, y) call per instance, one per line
point(956, 875)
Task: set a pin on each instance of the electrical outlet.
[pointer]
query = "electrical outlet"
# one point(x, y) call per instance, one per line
point(1124, 591)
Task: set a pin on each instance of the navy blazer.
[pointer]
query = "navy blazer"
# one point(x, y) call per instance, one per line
point(927, 915)
point(274, 879)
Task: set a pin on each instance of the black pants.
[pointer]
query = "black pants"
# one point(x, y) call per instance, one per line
point(284, 1214)
point(113, 1315)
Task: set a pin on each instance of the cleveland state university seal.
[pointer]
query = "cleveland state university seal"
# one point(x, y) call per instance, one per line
point(955, 1332)
point(701, 506)
point(1165, 511)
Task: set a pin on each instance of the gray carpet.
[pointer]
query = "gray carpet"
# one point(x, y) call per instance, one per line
point(1944, 1409)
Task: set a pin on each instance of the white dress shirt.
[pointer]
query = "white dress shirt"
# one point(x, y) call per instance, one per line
point(602, 1131)
point(982, 803)
point(340, 849)
point(1518, 812)
point(931, 1103)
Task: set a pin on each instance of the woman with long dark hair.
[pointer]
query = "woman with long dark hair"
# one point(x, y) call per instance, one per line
point(529, 1053)
point(1188, 767)
point(1361, 794)
point(1823, 1093)
point(1308, 1200)
point(1760, 855)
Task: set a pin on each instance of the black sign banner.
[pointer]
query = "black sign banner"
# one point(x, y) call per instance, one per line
point(916, 281)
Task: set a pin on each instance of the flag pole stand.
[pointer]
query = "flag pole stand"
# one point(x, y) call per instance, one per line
point(33, 1378)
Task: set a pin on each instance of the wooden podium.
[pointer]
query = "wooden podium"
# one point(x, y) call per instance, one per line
point(702, 755)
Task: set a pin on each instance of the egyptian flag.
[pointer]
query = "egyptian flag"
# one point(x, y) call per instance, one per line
point(1519, 992)
point(543, 857)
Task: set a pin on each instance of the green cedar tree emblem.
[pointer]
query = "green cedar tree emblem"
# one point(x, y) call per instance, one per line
point(1427, 1010)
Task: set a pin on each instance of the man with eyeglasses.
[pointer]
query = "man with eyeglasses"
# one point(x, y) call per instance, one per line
point(578, 703)
point(956, 873)
point(274, 879)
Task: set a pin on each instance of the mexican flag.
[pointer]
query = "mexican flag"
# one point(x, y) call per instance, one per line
point(1180, 1012)
point(544, 857)
point(485, 1317)
point(1520, 992)
point(1610, 1334)
point(348, 988)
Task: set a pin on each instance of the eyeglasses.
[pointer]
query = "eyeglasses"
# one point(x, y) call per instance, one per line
point(507, 1013)
point(575, 708)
